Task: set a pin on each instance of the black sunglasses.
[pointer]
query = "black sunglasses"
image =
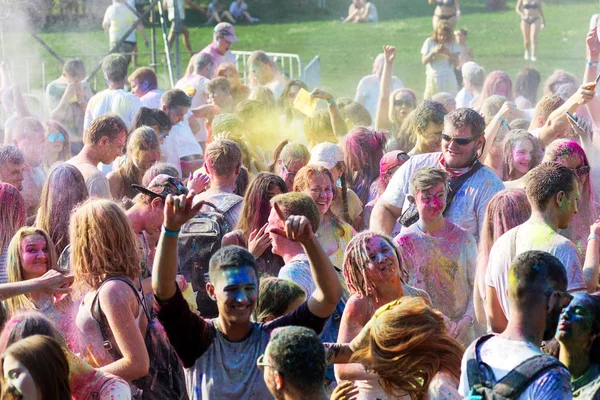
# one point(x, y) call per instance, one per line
point(459, 141)
point(400, 103)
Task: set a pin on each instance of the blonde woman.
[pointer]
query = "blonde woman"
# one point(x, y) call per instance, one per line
point(143, 151)
point(32, 259)
point(103, 246)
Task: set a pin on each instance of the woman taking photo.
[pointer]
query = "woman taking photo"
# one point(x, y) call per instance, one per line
point(103, 246)
point(250, 231)
point(440, 57)
point(532, 21)
point(375, 277)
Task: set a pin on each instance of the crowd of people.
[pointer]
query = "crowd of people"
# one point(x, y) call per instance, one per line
point(254, 240)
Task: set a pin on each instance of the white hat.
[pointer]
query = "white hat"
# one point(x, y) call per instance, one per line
point(326, 155)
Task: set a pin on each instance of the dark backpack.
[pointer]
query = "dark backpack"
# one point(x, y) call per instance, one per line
point(199, 239)
point(484, 385)
point(165, 379)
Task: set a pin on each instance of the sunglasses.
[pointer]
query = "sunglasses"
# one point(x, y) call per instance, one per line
point(53, 137)
point(286, 172)
point(405, 103)
point(459, 141)
point(582, 171)
point(261, 364)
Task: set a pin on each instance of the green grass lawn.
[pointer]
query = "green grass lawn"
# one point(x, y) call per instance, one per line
point(347, 51)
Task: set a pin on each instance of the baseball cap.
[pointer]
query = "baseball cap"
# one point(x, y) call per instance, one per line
point(326, 154)
point(161, 186)
point(391, 160)
point(226, 30)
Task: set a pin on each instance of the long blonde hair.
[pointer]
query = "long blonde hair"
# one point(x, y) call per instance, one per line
point(14, 266)
point(103, 244)
point(407, 345)
point(13, 214)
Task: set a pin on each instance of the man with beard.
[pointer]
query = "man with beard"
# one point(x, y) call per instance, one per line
point(537, 294)
point(462, 144)
point(553, 192)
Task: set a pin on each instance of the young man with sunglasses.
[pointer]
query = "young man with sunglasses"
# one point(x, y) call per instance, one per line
point(553, 193)
point(537, 295)
point(462, 144)
point(220, 355)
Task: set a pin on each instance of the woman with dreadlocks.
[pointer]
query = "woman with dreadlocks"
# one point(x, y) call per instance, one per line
point(375, 277)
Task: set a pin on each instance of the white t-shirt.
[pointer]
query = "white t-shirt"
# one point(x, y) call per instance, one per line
point(276, 87)
point(371, 12)
point(152, 99)
point(171, 9)
point(119, 102)
point(186, 142)
point(531, 236)
point(464, 98)
point(367, 92)
point(441, 64)
point(503, 355)
point(195, 86)
point(237, 11)
point(170, 150)
point(119, 19)
point(470, 202)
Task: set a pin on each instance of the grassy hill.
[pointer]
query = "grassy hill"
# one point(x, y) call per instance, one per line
point(347, 51)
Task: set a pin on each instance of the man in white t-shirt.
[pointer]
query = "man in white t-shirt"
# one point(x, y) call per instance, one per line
point(462, 142)
point(115, 99)
point(144, 85)
point(118, 19)
point(103, 142)
point(473, 76)
point(180, 148)
point(553, 192)
point(367, 91)
point(537, 295)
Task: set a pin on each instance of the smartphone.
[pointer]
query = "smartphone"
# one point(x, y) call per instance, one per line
point(574, 120)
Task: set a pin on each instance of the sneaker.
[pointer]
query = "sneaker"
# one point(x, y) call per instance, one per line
point(526, 56)
point(255, 20)
point(533, 58)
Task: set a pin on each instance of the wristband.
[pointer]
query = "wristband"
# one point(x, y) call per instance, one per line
point(330, 101)
point(503, 120)
point(593, 236)
point(591, 64)
point(167, 232)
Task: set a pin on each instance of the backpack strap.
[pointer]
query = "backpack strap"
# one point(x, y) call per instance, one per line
point(517, 380)
point(474, 365)
point(98, 314)
point(457, 184)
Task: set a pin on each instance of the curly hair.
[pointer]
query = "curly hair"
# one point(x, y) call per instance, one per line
point(356, 258)
point(407, 345)
point(513, 137)
point(102, 244)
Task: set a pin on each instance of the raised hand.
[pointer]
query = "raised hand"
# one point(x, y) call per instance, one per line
point(321, 94)
point(179, 210)
point(259, 241)
point(592, 44)
point(389, 53)
point(198, 181)
point(296, 228)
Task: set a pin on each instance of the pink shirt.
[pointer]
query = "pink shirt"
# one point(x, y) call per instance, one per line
point(218, 57)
